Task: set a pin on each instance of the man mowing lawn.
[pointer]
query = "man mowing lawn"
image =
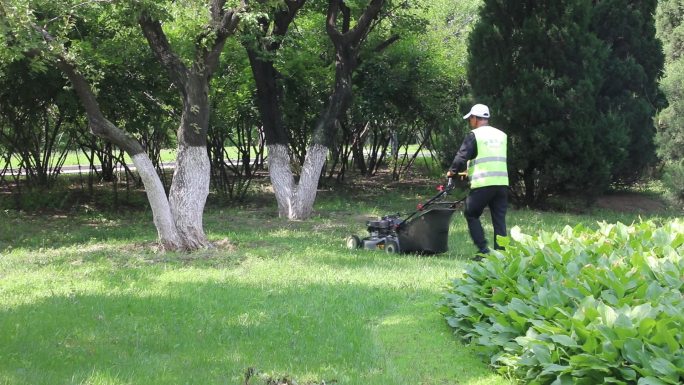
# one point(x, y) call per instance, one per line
point(483, 155)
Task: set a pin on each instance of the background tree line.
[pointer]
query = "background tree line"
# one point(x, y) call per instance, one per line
point(322, 89)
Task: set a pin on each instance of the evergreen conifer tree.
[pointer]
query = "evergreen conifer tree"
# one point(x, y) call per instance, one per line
point(630, 95)
point(538, 66)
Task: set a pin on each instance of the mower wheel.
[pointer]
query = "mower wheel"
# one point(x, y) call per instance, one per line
point(353, 242)
point(391, 247)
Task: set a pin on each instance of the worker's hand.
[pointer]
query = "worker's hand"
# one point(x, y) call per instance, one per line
point(463, 175)
point(449, 174)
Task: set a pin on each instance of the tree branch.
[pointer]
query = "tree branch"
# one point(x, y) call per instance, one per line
point(99, 125)
point(371, 12)
point(351, 36)
point(346, 17)
point(223, 24)
point(283, 19)
point(331, 21)
point(216, 8)
point(382, 46)
point(156, 38)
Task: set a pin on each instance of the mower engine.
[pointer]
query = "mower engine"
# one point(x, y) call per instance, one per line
point(382, 235)
point(384, 226)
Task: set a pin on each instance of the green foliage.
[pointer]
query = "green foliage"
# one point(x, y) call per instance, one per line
point(670, 135)
point(673, 179)
point(539, 68)
point(574, 84)
point(579, 306)
point(37, 115)
point(629, 93)
point(415, 85)
point(305, 62)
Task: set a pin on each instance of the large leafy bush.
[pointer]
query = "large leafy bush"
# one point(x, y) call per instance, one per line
point(581, 306)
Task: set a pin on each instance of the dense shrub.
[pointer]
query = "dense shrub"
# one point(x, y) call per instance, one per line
point(580, 306)
point(673, 179)
point(670, 135)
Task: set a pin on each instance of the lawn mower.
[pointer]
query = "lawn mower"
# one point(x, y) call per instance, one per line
point(425, 231)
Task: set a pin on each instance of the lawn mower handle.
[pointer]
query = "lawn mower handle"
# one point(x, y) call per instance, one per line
point(442, 191)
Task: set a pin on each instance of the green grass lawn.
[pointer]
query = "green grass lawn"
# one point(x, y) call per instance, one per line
point(86, 299)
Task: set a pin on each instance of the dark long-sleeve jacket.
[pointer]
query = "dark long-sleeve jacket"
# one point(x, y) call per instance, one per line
point(467, 152)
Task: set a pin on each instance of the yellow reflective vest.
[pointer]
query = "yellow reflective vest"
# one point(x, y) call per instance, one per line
point(489, 167)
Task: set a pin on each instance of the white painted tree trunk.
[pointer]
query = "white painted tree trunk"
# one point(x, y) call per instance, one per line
point(305, 195)
point(161, 211)
point(295, 201)
point(282, 179)
point(188, 195)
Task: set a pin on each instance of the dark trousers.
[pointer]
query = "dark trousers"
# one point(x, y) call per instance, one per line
point(494, 197)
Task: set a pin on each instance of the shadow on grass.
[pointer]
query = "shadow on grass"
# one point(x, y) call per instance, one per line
point(31, 232)
point(168, 328)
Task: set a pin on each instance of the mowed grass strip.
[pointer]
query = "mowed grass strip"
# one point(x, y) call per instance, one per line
point(86, 299)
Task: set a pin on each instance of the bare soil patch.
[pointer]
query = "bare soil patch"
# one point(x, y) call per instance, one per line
point(631, 202)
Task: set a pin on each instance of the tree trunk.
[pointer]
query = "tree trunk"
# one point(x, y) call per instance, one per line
point(268, 99)
point(298, 199)
point(346, 42)
point(191, 177)
point(295, 200)
point(282, 178)
point(188, 194)
point(305, 195)
point(169, 237)
point(190, 185)
point(179, 218)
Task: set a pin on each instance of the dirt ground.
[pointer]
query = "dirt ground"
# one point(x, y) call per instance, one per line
point(631, 202)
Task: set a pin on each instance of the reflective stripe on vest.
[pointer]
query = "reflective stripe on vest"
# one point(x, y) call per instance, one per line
point(489, 168)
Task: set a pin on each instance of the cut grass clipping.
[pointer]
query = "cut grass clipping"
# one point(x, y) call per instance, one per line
point(579, 306)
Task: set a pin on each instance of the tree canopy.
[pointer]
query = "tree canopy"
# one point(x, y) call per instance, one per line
point(574, 84)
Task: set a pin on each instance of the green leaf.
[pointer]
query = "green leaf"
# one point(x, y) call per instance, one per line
point(542, 353)
point(665, 336)
point(665, 368)
point(522, 308)
point(564, 340)
point(563, 379)
point(641, 312)
point(628, 374)
point(633, 351)
point(650, 381)
point(608, 314)
point(554, 368)
point(623, 327)
point(589, 361)
point(590, 345)
point(661, 238)
point(609, 351)
point(613, 380)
